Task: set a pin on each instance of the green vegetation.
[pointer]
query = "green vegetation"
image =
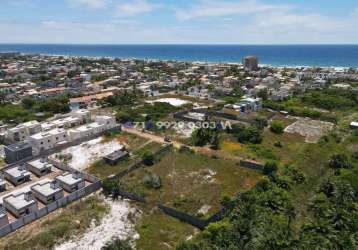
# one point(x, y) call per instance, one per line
point(277, 127)
point(58, 227)
point(117, 244)
point(145, 112)
point(247, 134)
point(302, 204)
point(27, 109)
point(203, 136)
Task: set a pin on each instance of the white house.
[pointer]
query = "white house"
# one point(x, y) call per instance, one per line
point(22, 131)
point(47, 140)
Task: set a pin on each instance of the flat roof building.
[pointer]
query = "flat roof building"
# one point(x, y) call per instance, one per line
point(39, 167)
point(17, 152)
point(47, 192)
point(251, 63)
point(17, 175)
point(114, 157)
point(20, 204)
point(47, 140)
point(71, 182)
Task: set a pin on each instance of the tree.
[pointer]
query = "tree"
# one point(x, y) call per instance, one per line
point(148, 158)
point(277, 127)
point(270, 168)
point(251, 134)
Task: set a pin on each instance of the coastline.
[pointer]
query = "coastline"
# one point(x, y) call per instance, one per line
point(292, 56)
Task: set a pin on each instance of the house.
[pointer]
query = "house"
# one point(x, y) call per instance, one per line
point(114, 157)
point(47, 192)
point(246, 105)
point(87, 101)
point(4, 220)
point(20, 204)
point(39, 167)
point(71, 182)
point(17, 175)
point(22, 131)
point(17, 152)
point(47, 140)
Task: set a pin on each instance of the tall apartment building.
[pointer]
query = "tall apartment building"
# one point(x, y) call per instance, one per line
point(251, 63)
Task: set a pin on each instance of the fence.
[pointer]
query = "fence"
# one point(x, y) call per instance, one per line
point(138, 163)
point(22, 221)
point(187, 218)
point(252, 165)
point(63, 146)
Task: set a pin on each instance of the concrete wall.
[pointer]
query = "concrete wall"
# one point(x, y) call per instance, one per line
point(22, 221)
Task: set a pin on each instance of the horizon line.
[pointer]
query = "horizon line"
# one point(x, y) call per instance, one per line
point(185, 44)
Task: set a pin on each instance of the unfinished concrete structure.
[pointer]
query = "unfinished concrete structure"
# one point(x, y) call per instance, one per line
point(39, 167)
point(20, 204)
point(47, 192)
point(17, 175)
point(71, 182)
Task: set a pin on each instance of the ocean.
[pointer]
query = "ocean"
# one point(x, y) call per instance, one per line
point(276, 55)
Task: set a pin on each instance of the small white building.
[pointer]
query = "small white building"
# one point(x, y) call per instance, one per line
point(71, 182)
point(47, 140)
point(20, 204)
point(17, 175)
point(47, 192)
point(39, 167)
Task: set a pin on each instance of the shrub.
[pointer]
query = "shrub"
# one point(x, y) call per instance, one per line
point(152, 180)
point(148, 158)
point(270, 168)
point(339, 161)
point(277, 127)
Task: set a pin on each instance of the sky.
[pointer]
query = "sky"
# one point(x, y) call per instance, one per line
point(179, 21)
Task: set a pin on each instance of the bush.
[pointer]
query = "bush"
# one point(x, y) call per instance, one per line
point(277, 127)
point(117, 244)
point(152, 180)
point(148, 158)
point(250, 134)
point(270, 168)
point(339, 161)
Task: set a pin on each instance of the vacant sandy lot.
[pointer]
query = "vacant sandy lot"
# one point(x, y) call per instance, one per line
point(119, 223)
point(86, 153)
point(312, 130)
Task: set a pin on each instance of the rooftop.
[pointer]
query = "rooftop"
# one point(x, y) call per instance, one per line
point(47, 188)
point(19, 201)
point(17, 171)
point(69, 178)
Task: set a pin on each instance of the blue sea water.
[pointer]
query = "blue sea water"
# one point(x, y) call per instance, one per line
point(277, 55)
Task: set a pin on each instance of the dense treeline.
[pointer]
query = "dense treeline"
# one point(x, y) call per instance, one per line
point(28, 108)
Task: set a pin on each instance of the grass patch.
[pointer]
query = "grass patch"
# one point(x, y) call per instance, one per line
point(190, 181)
point(159, 231)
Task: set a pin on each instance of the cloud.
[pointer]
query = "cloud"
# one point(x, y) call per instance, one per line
point(135, 7)
point(210, 8)
point(92, 4)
